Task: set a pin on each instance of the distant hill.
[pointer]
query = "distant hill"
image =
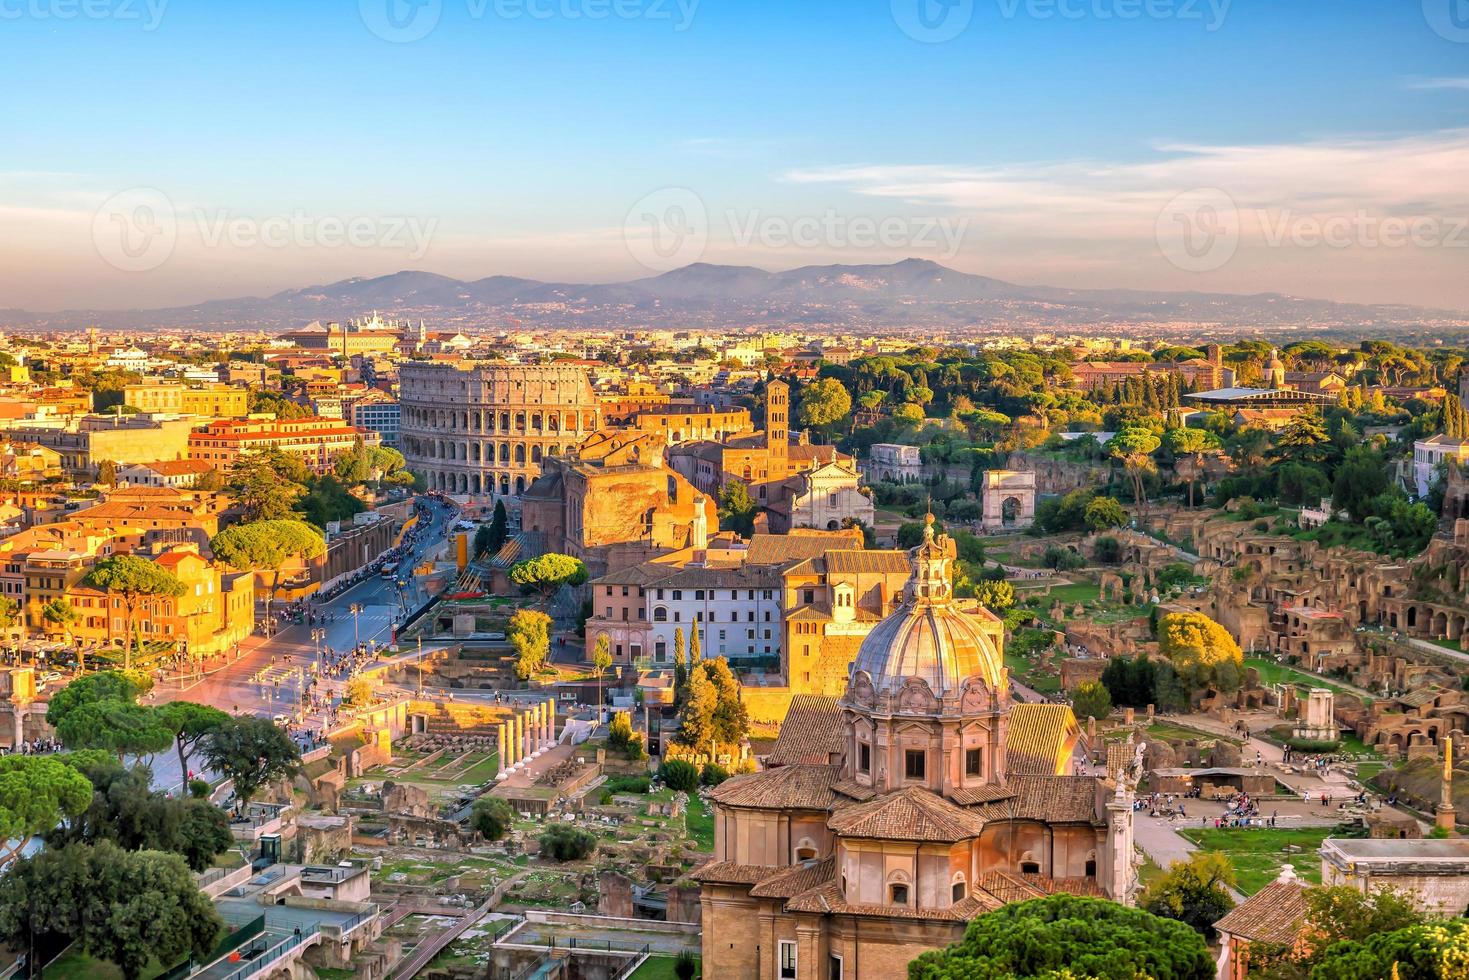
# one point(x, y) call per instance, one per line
point(913, 293)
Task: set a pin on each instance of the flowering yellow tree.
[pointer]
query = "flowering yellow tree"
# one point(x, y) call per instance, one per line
point(1202, 651)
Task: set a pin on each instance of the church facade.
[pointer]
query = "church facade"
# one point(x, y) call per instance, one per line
point(918, 800)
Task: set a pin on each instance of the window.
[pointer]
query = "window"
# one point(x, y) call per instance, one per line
point(864, 757)
point(699, 594)
point(1030, 868)
point(898, 894)
point(974, 762)
point(834, 969)
point(808, 596)
point(660, 615)
point(913, 763)
point(678, 594)
point(787, 960)
point(959, 891)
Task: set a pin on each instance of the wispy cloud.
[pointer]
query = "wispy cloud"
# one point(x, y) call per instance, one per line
point(1437, 84)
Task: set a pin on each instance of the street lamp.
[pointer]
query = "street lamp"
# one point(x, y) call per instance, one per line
point(420, 665)
point(356, 610)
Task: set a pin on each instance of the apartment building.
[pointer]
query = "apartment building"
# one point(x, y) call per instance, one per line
point(317, 441)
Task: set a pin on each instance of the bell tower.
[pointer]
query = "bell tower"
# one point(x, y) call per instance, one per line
point(778, 427)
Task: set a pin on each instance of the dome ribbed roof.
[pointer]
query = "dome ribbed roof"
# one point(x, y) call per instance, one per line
point(928, 636)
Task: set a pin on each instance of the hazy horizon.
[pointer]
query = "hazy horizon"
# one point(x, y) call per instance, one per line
point(169, 153)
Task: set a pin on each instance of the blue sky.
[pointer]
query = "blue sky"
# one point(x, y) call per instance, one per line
point(1050, 134)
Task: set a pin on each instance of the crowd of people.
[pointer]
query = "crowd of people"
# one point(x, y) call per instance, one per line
point(34, 746)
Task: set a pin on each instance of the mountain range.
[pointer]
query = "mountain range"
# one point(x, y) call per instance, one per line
point(912, 294)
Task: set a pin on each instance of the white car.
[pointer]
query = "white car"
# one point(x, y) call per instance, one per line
point(282, 720)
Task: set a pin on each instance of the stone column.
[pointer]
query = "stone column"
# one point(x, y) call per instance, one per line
point(501, 743)
point(517, 738)
point(545, 725)
point(551, 712)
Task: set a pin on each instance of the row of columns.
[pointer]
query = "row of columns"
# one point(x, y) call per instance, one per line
point(526, 735)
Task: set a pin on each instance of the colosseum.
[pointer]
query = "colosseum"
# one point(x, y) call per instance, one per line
point(483, 428)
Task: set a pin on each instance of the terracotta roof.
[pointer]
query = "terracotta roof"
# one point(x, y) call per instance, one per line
point(909, 814)
point(796, 879)
point(985, 793)
point(1040, 739)
point(848, 560)
point(1008, 887)
point(827, 898)
point(729, 873)
point(853, 789)
point(178, 467)
point(1271, 915)
point(1051, 799)
point(812, 733)
point(777, 549)
point(798, 787)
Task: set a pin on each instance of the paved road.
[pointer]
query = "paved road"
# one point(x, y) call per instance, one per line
point(289, 653)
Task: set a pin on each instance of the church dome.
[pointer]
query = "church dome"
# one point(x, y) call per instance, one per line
point(929, 638)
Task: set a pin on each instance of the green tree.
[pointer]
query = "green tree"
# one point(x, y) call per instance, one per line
point(251, 751)
point(62, 615)
point(127, 811)
point(1091, 699)
point(1431, 951)
point(1065, 937)
point(1104, 512)
point(101, 711)
point(696, 715)
point(1195, 892)
point(191, 724)
point(499, 528)
point(492, 817)
point(1201, 650)
point(824, 403)
point(267, 546)
point(132, 579)
point(1361, 478)
point(1188, 446)
point(107, 473)
point(529, 633)
point(1339, 914)
point(563, 842)
point(601, 662)
point(910, 413)
point(548, 573)
point(996, 596)
point(125, 907)
point(1134, 447)
point(621, 735)
point(679, 775)
point(737, 509)
point(267, 484)
point(37, 792)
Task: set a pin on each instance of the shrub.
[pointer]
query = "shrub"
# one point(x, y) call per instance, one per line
point(685, 965)
point(679, 775)
point(492, 817)
point(713, 774)
point(561, 842)
point(1063, 559)
point(627, 784)
point(198, 789)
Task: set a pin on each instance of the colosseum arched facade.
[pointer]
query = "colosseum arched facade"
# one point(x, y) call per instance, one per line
point(483, 428)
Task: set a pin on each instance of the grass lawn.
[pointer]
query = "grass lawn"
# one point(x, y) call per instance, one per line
point(656, 968)
point(1258, 853)
point(76, 965)
point(699, 823)
point(1172, 732)
point(1076, 592)
point(1274, 673)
